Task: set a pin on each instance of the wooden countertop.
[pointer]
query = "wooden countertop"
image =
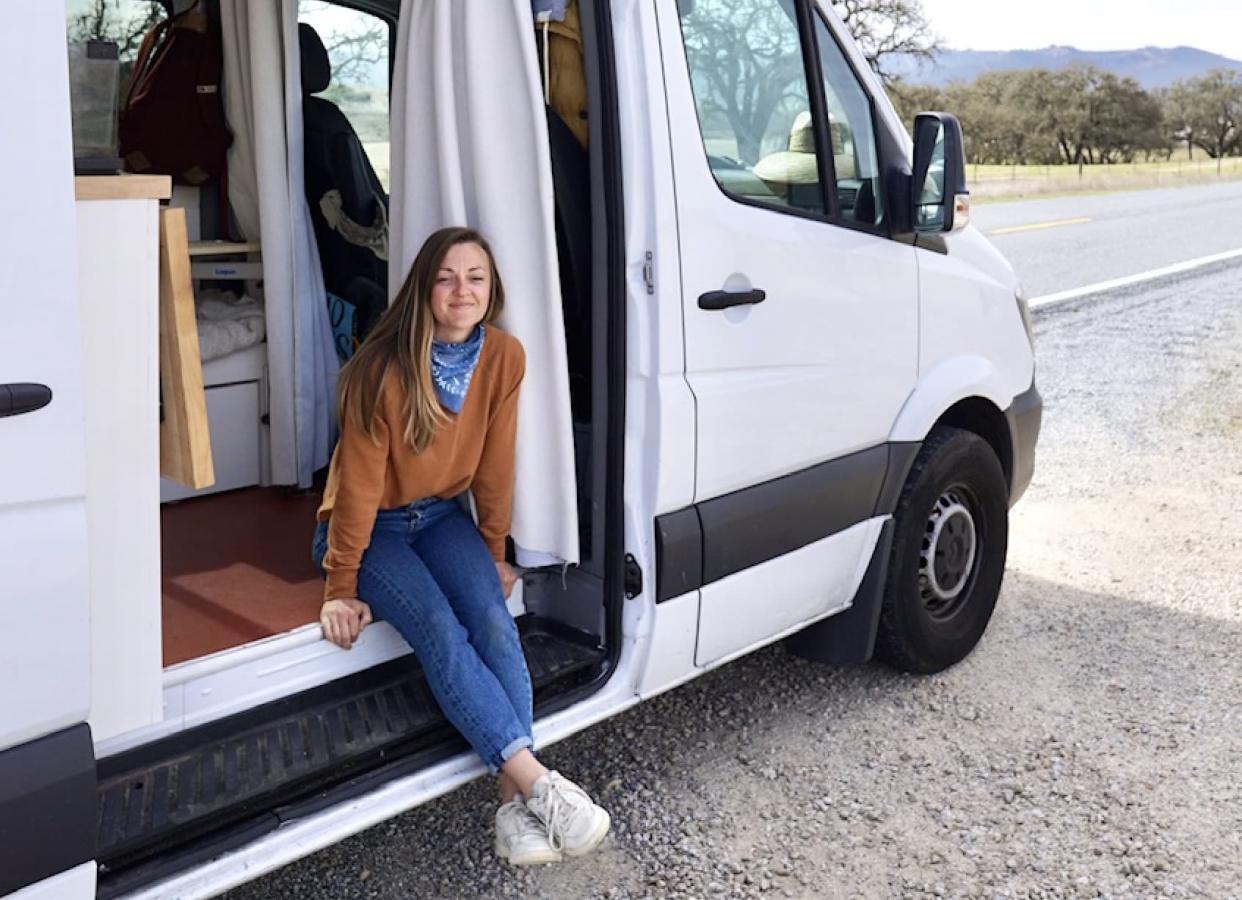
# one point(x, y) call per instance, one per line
point(122, 187)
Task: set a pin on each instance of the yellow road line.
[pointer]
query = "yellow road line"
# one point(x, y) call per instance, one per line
point(1040, 225)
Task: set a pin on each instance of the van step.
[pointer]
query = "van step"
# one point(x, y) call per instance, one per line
point(181, 787)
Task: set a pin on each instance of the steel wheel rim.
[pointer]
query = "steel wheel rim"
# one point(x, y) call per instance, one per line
point(948, 553)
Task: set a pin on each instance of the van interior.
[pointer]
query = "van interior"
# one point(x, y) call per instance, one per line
point(238, 583)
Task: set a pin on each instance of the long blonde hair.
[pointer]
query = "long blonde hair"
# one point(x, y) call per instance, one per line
point(402, 338)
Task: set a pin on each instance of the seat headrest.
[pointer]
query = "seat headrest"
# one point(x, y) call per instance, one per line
point(316, 70)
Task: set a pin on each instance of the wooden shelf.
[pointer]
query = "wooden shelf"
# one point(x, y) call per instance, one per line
point(222, 248)
point(122, 187)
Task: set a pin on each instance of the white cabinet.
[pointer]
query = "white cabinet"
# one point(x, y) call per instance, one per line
point(235, 389)
point(118, 291)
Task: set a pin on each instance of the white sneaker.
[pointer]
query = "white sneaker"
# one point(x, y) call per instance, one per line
point(521, 838)
point(575, 824)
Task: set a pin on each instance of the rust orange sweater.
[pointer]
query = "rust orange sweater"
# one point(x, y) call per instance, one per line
point(474, 450)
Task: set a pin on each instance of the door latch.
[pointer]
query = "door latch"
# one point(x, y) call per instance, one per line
point(633, 577)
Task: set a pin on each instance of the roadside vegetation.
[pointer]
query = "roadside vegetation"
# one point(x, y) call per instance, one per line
point(991, 182)
point(1084, 116)
point(1037, 132)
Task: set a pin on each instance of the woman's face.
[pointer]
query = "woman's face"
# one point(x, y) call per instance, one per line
point(461, 292)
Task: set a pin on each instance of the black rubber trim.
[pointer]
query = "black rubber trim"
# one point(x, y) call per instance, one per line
point(900, 459)
point(679, 553)
point(722, 536)
point(610, 284)
point(225, 840)
point(813, 67)
point(47, 807)
point(171, 792)
point(933, 242)
point(768, 520)
point(1025, 416)
point(848, 638)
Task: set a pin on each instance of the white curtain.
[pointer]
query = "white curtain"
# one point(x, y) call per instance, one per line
point(263, 101)
point(470, 147)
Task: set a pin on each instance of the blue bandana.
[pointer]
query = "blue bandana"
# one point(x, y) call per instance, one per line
point(452, 365)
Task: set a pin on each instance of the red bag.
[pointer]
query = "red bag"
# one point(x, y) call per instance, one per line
point(173, 122)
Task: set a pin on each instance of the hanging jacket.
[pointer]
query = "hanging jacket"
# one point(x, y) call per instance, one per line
point(566, 88)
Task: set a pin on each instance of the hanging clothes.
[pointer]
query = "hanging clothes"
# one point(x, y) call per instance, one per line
point(565, 89)
point(470, 147)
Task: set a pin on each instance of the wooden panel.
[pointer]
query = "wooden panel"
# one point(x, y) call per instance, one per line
point(220, 248)
point(122, 187)
point(185, 440)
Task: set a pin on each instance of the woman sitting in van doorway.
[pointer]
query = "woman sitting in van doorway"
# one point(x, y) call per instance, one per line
point(428, 409)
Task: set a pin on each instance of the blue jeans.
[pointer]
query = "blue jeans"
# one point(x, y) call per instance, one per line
point(428, 573)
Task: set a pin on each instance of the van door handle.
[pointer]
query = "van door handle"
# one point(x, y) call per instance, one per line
point(16, 399)
point(715, 300)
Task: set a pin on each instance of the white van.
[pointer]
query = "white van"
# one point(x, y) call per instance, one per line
point(811, 405)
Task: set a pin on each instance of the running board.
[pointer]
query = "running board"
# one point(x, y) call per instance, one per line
point(172, 791)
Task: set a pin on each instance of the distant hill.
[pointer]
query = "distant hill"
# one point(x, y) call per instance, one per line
point(1152, 67)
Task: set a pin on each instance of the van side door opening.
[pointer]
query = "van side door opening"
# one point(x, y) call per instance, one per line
point(570, 621)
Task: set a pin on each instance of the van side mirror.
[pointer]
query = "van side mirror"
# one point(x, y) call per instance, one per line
point(939, 199)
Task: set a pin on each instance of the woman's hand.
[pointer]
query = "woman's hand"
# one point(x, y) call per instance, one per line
point(508, 578)
point(343, 620)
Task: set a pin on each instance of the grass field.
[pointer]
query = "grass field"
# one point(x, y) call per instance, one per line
point(989, 182)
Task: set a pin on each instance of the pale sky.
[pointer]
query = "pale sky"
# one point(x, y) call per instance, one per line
point(1214, 25)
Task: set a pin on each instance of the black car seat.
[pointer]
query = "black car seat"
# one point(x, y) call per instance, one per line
point(348, 204)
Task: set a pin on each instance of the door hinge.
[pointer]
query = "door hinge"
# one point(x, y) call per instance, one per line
point(633, 577)
point(649, 273)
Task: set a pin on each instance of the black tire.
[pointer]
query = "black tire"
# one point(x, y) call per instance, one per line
point(938, 600)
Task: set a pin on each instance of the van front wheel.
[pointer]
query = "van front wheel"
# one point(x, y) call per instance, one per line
point(950, 537)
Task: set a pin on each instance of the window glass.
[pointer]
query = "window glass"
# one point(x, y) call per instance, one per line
point(749, 81)
point(357, 44)
point(123, 22)
point(853, 137)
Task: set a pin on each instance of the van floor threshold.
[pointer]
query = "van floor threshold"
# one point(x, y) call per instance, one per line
point(176, 789)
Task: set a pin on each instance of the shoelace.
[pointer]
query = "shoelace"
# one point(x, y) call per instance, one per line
point(555, 812)
point(558, 810)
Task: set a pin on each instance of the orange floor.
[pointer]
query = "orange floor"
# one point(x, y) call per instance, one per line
point(236, 568)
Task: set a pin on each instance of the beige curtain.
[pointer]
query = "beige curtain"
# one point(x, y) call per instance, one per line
point(263, 102)
point(470, 147)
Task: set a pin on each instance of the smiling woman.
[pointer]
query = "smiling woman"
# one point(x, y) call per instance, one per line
point(462, 292)
point(429, 409)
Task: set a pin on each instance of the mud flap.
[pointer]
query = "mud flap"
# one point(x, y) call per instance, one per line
point(848, 638)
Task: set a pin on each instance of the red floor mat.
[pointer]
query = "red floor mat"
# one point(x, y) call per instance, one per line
point(236, 568)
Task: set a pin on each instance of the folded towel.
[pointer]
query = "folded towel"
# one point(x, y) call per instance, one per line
point(227, 323)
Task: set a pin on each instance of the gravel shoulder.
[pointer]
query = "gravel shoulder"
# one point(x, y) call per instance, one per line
point(1090, 747)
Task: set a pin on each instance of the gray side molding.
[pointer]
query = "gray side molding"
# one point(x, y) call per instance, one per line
point(47, 807)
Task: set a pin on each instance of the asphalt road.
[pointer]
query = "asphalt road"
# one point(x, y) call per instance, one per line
point(1127, 233)
point(1088, 748)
